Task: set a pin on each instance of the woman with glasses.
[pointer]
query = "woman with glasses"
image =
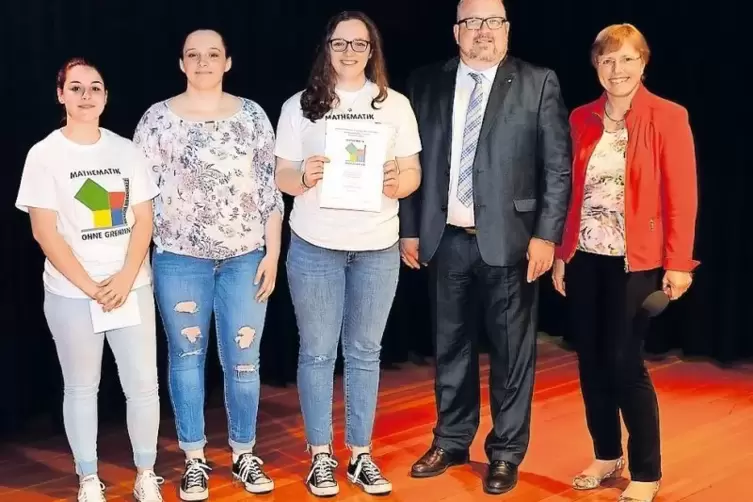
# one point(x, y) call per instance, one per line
point(217, 242)
point(343, 264)
point(89, 194)
point(629, 232)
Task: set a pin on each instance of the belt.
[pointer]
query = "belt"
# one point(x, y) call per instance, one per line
point(468, 230)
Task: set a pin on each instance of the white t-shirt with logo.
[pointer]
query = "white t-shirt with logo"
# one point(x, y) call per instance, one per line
point(298, 139)
point(93, 189)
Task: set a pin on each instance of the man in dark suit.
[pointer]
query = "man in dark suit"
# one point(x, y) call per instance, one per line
point(496, 185)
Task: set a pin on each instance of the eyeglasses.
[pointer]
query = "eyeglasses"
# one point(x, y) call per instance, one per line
point(341, 45)
point(624, 61)
point(475, 23)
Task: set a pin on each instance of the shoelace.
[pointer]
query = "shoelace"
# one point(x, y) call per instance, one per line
point(148, 486)
point(196, 472)
point(369, 468)
point(323, 470)
point(250, 465)
point(92, 490)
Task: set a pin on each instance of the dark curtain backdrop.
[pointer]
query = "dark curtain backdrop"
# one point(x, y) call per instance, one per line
point(136, 43)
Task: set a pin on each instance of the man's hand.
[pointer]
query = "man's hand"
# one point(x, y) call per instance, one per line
point(266, 274)
point(676, 283)
point(391, 179)
point(114, 290)
point(540, 257)
point(409, 252)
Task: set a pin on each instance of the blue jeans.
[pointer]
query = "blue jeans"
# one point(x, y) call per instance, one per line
point(348, 294)
point(188, 291)
point(79, 351)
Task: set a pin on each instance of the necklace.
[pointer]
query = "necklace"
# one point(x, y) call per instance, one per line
point(355, 98)
point(610, 118)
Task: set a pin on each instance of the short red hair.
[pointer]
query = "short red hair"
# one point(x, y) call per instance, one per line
point(614, 36)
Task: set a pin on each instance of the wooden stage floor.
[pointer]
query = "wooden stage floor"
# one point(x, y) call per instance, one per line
point(707, 430)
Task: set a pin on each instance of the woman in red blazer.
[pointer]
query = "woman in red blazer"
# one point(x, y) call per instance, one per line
point(629, 231)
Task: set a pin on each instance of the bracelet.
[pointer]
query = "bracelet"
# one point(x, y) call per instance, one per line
point(303, 180)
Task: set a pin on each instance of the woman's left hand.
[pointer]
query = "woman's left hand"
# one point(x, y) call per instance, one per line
point(676, 283)
point(114, 290)
point(266, 274)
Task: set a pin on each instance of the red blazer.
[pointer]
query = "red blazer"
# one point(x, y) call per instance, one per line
point(661, 196)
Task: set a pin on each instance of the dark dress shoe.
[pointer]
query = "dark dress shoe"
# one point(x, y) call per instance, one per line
point(436, 461)
point(501, 477)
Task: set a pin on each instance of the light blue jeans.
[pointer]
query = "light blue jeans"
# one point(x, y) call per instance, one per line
point(340, 294)
point(79, 350)
point(188, 291)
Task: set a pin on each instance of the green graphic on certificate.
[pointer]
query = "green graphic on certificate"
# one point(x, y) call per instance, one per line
point(357, 155)
point(354, 180)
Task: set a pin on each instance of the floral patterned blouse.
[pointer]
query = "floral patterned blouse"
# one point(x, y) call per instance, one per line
point(216, 180)
point(602, 227)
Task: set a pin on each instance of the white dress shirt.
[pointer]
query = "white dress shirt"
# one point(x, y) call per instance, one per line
point(457, 214)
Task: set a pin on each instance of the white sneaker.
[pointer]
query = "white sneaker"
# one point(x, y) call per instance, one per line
point(91, 489)
point(146, 488)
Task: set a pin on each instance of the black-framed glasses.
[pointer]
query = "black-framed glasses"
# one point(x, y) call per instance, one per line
point(475, 23)
point(340, 44)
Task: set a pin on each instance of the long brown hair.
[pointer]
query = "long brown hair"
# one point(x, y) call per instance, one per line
point(319, 96)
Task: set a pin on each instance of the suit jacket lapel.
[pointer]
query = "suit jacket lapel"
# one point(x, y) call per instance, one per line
point(446, 101)
point(502, 80)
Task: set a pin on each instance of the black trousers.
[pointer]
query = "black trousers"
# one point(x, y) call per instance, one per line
point(459, 281)
point(608, 332)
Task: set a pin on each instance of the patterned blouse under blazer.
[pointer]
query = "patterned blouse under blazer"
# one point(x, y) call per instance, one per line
point(634, 191)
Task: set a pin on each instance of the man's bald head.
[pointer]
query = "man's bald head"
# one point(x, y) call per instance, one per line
point(465, 5)
point(482, 36)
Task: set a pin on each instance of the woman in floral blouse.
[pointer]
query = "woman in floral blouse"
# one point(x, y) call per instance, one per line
point(629, 232)
point(217, 238)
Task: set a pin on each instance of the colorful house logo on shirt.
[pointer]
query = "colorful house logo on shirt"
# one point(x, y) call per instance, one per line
point(108, 208)
point(356, 155)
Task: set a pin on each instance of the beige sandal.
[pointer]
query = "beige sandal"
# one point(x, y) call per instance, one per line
point(623, 498)
point(585, 482)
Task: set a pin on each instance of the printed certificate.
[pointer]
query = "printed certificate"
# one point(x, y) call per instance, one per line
point(353, 179)
point(125, 316)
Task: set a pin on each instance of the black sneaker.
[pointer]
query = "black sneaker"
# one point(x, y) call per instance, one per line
point(365, 473)
point(195, 482)
point(321, 479)
point(248, 471)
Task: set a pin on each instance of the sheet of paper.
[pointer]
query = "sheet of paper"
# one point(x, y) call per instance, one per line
point(353, 179)
point(125, 316)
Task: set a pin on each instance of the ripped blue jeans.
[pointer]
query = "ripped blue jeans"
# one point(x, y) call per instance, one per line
point(188, 291)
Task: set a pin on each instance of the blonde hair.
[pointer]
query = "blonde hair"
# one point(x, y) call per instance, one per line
point(614, 36)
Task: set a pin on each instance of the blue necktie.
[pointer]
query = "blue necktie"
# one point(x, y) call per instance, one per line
point(473, 119)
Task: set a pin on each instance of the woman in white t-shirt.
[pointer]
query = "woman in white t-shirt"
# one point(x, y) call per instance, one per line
point(343, 264)
point(88, 193)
